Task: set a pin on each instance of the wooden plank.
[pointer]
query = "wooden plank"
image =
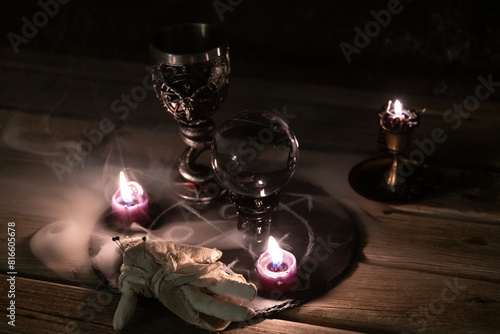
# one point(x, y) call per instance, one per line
point(464, 195)
point(75, 96)
point(56, 308)
point(277, 326)
point(105, 69)
point(355, 126)
point(89, 93)
point(471, 191)
point(464, 248)
point(29, 265)
point(475, 190)
point(386, 300)
point(333, 119)
point(69, 65)
point(433, 235)
point(371, 298)
point(410, 253)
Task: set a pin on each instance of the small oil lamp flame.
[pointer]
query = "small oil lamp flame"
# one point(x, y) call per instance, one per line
point(394, 118)
point(125, 191)
point(398, 108)
point(276, 252)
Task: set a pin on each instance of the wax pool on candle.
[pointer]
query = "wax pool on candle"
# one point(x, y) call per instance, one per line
point(130, 203)
point(397, 119)
point(276, 268)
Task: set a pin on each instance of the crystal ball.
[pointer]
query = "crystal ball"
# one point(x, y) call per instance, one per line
point(254, 154)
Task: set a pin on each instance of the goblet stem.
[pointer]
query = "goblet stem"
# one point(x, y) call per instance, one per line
point(198, 139)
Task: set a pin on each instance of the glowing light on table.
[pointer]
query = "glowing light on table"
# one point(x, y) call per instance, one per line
point(276, 269)
point(398, 109)
point(130, 203)
point(125, 190)
point(395, 118)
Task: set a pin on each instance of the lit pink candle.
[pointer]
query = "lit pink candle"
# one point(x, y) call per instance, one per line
point(130, 203)
point(276, 268)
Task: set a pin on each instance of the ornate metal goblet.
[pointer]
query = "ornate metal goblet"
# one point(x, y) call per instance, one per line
point(190, 70)
point(254, 155)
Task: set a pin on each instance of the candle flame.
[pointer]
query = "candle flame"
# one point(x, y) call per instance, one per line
point(398, 108)
point(125, 191)
point(275, 251)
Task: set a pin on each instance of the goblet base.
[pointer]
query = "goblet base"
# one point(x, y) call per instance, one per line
point(198, 194)
point(373, 179)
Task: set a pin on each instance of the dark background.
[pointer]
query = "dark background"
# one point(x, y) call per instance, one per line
point(432, 47)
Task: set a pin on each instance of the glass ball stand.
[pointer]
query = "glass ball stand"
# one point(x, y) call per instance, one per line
point(254, 155)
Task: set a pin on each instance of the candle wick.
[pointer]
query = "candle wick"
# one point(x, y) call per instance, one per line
point(144, 245)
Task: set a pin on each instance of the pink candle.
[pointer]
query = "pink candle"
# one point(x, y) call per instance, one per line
point(276, 268)
point(130, 203)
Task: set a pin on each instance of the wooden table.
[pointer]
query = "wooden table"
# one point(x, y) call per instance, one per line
point(428, 267)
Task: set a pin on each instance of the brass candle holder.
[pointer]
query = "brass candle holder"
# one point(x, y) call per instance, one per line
point(394, 177)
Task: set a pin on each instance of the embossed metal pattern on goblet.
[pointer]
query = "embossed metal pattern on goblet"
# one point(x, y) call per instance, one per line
point(192, 93)
point(190, 75)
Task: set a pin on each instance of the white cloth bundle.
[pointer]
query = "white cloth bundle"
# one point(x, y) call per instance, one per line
point(188, 280)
